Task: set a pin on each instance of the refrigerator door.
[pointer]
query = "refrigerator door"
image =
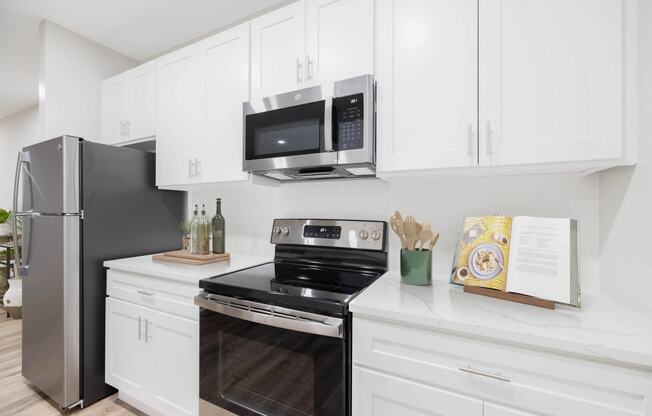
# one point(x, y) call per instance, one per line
point(51, 306)
point(49, 173)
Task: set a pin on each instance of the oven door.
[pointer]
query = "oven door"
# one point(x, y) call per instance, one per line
point(258, 359)
point(292, 130)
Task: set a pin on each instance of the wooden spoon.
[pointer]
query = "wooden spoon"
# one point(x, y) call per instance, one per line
point(411, 229)
point(396, 222)
point(425, 235)
point(433, 241)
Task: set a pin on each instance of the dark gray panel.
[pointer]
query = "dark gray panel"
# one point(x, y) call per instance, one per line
point(124, 215)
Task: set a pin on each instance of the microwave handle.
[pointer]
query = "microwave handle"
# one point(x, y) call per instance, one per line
point(328, 125)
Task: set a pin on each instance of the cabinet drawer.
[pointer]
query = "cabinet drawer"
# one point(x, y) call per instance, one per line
point(553, 384)
point(377, 394)
point(164, 295)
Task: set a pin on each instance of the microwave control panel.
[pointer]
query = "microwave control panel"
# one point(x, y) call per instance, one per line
point(349, 120)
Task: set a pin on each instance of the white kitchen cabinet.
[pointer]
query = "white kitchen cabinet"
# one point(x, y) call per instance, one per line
point(376, 394)
point(339, 39)
point(174, 350)
point(126, 359)
point(278, 45)
point(551, 81)
point(181, 106)
point(226, 56)
point(501, 83)
point(129, 105)
point(153, 357)
point(427, 84)
point(400, 363)
point(311, 42)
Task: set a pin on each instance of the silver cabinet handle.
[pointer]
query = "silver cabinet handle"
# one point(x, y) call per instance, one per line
point(299, 72)
point(310, 67)
point(271, 315)
point(140, 324)
point(146, 293)
point(470, 144)
point(498, 377)
point(197, 167)
point(488, 139)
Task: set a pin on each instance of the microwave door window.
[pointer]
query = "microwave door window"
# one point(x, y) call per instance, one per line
point(284, 132)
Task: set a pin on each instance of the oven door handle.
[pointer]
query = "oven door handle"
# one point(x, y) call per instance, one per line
point(273, 316)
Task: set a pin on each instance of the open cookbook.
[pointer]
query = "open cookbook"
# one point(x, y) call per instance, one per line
point(527, 255)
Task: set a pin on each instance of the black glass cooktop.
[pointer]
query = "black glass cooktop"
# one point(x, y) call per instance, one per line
point(305, 287)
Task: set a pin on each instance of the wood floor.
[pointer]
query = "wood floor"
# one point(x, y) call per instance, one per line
point(18, 398)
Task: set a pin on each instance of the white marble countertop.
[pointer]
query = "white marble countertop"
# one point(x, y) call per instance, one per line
point(184, 272)
point(603, 329)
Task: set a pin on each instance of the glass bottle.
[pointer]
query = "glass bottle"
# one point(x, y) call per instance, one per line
point(194, 232)
point(218, 229)
point(204, 232)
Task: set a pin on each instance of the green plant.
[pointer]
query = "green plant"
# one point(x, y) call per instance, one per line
point(4, 215)
point(184, 226)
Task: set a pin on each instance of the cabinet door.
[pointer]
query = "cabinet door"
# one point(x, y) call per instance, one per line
point(340, 39)
point(181, 106)
point(142, 102)
point(115, 109)
point(173, 345)
point(226, 57)
point(550, 80)
point(377, 394)
point(278, 47)
point(427, 84)
point(126, 360)
point(491, 409)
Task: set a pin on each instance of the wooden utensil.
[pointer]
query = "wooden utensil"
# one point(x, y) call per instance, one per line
point(411, 229)
point(396, 222)
point(425, 235)
point(433, 241)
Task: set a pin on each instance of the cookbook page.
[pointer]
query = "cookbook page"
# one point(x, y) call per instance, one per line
point(483, 252)
point(540, 258)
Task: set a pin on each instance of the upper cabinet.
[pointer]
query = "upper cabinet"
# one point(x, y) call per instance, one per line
point(129, 105)
point(427, 84)
point(536, 83)
point(311, 42)
point(200, 91)
point(551, 81)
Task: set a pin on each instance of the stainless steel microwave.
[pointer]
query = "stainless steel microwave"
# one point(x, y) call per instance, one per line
point(321, 132)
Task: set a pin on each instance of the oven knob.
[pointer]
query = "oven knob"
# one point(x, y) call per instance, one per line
point(277, 230)
point(375, 235)
point(285, 230)
point(363, 234)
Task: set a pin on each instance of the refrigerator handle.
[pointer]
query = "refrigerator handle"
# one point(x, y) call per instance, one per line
point(19, 270)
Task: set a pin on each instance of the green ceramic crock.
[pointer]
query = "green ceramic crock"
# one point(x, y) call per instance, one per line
point(416, 267)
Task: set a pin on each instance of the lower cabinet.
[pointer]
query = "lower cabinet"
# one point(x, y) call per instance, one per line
point(153, 357)
point(403, 370)
point(384, 395)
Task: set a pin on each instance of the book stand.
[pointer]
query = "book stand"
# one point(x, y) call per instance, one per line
point(514, 297)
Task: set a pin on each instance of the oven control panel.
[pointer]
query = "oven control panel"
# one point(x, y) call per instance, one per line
point(353, 234)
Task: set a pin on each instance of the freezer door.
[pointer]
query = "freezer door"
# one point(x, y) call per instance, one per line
point(51, 306)
point(49, 176)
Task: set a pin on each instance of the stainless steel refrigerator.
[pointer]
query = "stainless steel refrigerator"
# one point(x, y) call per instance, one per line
point(82, 203)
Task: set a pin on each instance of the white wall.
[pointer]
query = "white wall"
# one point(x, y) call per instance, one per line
point(71, 69)
point(249, 210)
point(626, 197)
point(16, 131)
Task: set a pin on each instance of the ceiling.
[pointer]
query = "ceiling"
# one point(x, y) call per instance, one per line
point(139, 29)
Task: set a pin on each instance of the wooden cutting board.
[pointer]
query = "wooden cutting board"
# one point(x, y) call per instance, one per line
point(185, 257)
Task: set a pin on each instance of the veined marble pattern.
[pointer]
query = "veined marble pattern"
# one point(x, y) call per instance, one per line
point(603, 329)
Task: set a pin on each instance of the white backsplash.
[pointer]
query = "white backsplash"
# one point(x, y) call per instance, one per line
point(250, 209)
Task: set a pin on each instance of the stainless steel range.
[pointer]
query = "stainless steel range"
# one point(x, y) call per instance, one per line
point(275, 339)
